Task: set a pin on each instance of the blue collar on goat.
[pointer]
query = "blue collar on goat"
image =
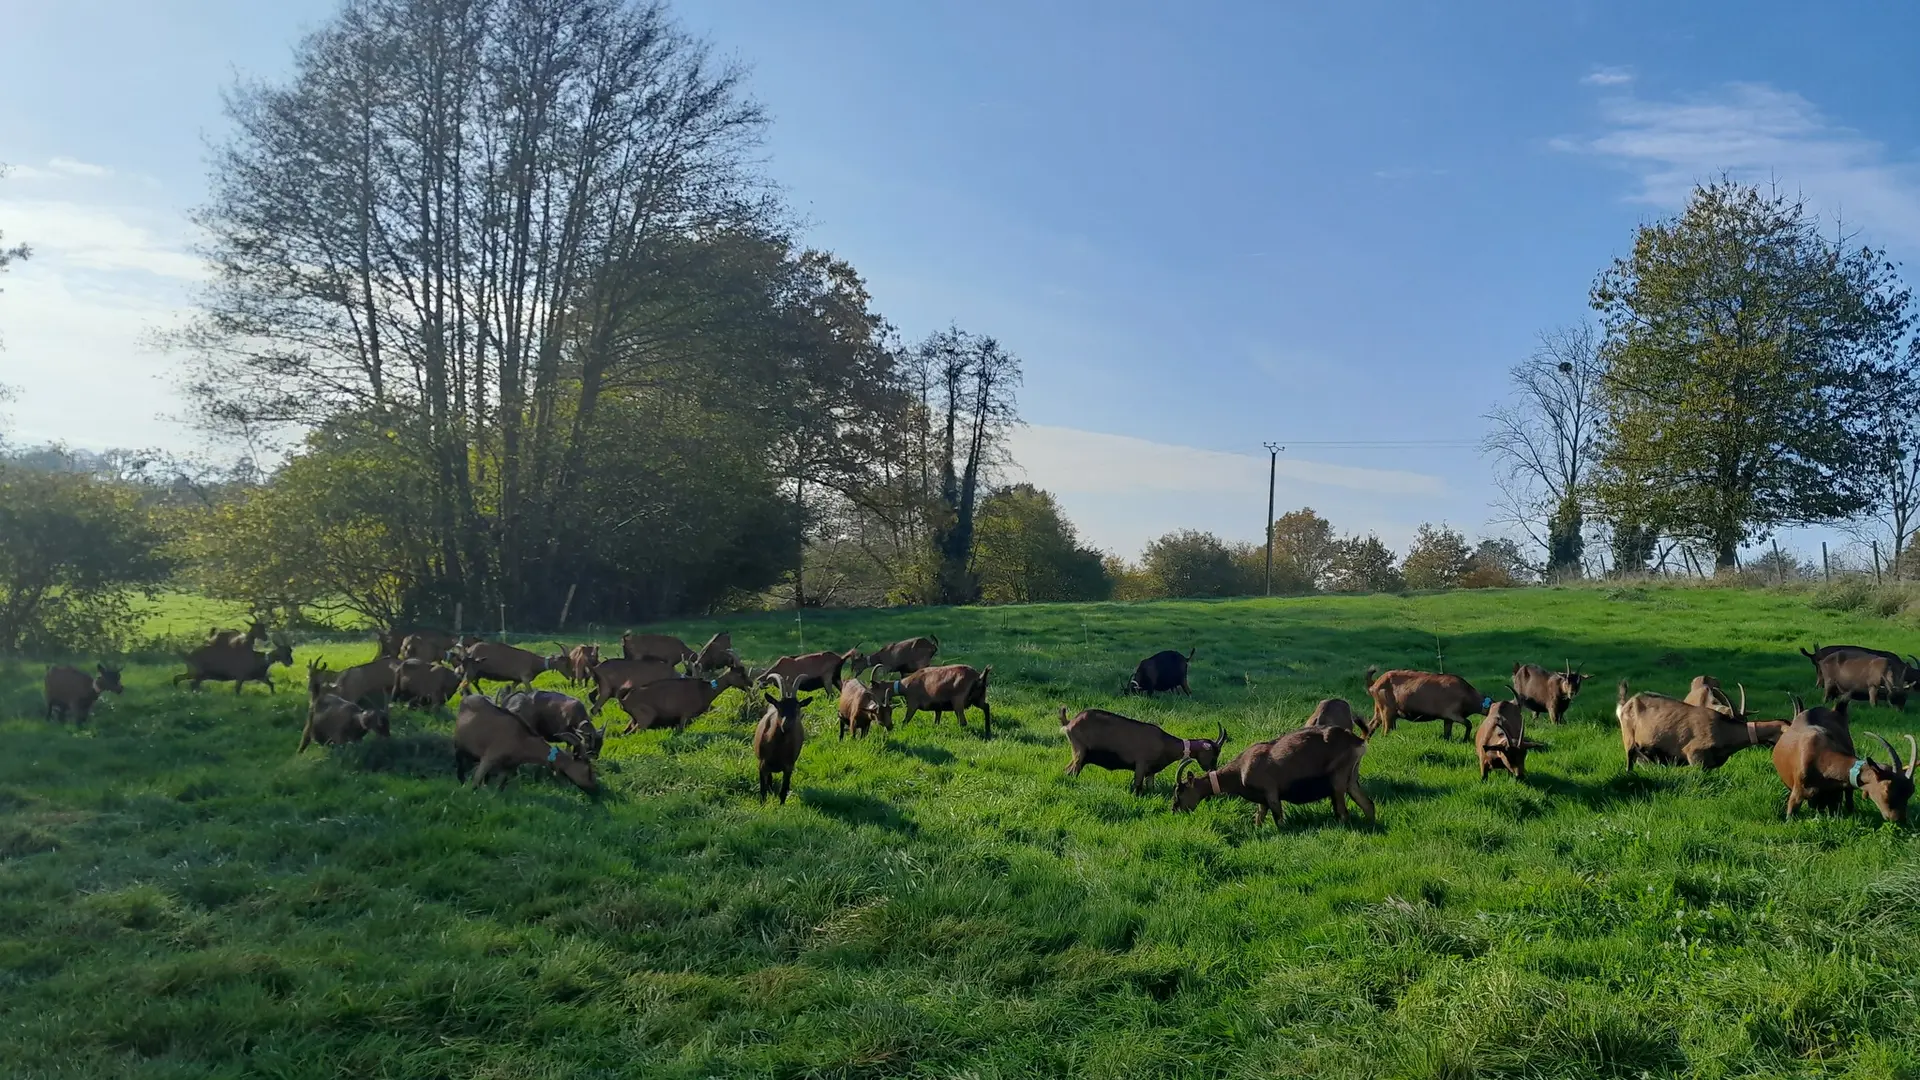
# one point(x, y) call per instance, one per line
point(713, 684)
point(1486, 703)
point(899, 687)
point(553, 754)
point(1853, 774)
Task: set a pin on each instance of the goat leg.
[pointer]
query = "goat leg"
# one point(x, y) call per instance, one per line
point(1794, 795)
point(786, 781)
point(1359, 794)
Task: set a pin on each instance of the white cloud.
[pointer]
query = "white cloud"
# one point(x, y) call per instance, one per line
point(1608, 76)
point(95, 237)
point(1757, 133)
point(1122, 491)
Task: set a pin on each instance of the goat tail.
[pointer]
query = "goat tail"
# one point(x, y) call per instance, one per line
point(1809, 655)
point(1622, 698)
point(1371, 672)
point(1063, 716)
point(935, 638)
point(1190, 653)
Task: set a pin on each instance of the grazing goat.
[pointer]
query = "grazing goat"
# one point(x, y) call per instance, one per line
point(334, 721)
point(1423, 695)
point(501, 663)
point(1707, 693)
point(1502, 740)
point(1111, 741)
point(1336, 712)
point(1863, 674)
point(860, 706)
point(950, 688)
point(812, 671)
point(388, 642)
point(489, 739)
point(1163, 671)
point(717, 654)
point(362, 682)
point(1818, 768)
point(1540, 691)
point(255, 632)
point(676, 701)
point(432, 645)
point(72, 692)
point(656, 647)
point(555, 717)
point(423, 684)
point(901, 657)
point(613, 676)
point(1660, 730)
point(779, 737)
point(222, 663)
point(1301, 766)
point(581, 662)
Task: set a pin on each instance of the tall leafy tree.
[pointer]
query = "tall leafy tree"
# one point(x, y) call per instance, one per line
point(73, 550)
point(1304, 550)
point(1545, 440)
point(1026, 551)
point(1743, 354)
point(1437, 559)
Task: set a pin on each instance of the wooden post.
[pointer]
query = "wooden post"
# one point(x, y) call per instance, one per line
point(1876, 562)
point(1779, 568)
point(1826, 568)
point(458, 610)
point(568, 606)
point(503, 623)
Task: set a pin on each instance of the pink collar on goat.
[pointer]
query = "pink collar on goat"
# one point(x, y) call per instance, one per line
point(1213, 781)
point(1186, 747)
point(1753, 734)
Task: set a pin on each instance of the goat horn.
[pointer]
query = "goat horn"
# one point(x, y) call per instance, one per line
point(1913, 756)
point(1220, 740)
point(1891, 752)
point(1743, 698)
point(1181, 772)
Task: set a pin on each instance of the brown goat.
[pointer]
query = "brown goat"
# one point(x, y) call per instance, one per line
point(810, 671)
point(1667, 731)
point(581, 660)
point(1707, 693)
point(72, 692)
point(1818, 769)
point(221, 663)
point(613, 676)
point(489, 739)
point(363, 682)
point(1301, 766)
point(779, 737)
point(860, 706)
point(1336, 712)
point(676, 701)
point(903, 657)
point(255, 632)
point(555, 717)
point(1111, 741)
point(950, 688)
point(1423, 695)
point(1540, 691)
point(656, 647)
point(334, 721)
point(424, 684)
point(717, 654)
point(492, 660)
point(1502, 740)
point(433, 644)
point(388, 642)
point(1860, 673)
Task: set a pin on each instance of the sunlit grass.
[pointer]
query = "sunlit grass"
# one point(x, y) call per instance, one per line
point(183, 896)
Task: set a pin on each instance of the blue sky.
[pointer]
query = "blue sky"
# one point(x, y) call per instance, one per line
point(1201, 226)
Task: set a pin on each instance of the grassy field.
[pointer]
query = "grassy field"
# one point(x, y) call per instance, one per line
point(182, 896)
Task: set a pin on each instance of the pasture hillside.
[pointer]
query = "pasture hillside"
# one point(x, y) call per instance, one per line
point(183, 896)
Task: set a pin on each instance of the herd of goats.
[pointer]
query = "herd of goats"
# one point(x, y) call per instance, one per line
point(660, 681)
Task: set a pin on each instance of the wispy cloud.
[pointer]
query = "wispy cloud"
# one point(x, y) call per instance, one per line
point(57, 168)
point(1608, 76)
point(91, 236)
point(1755, 132)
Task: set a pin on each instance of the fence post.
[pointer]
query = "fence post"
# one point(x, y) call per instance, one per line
point(458, 610)
point(568, 606)
point(1779, 568)
point(503, 622)
point(1826, 568)
point(1876, 562)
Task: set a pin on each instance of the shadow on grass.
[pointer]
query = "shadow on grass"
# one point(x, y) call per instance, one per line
point(1397, 789)
point(856, 809)
point(416, 754)
point(1620, 788)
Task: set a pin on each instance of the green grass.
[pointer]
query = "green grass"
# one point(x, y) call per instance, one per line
point(182, 896)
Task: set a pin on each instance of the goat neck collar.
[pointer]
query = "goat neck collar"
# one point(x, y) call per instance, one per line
point(713, 683)
point(899, 687)
point(1213, 781)
point(1853, 774)
point(1753, 734)
point(553, 754)
point(1186, 747)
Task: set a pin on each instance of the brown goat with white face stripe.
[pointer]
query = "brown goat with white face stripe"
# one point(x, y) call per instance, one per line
point(1301, 766)
point(950, 688)
point(1111, 741)
point(1423, 695)
point(1540, 691)
point(861, 706)
point(1661, 730)
point(1821, 769)
point(904, 657)
point(1502, 741)
point(779, 737)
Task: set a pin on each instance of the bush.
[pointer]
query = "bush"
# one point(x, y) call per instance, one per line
point(73, 549)
point(1192, 563)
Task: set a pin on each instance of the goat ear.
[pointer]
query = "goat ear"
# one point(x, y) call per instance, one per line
point(771, 700)
point(805, 701)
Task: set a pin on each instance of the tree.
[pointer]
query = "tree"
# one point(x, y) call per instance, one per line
point(1304, 550)
point(1365, 565)
point(1495, 564)
point(1545, 442)
point(72, 549)
point(1743, 355)
point(1026, 551)
point(1437, 558)
point(972, 380)
point(1893, 509)
point(1192, 563)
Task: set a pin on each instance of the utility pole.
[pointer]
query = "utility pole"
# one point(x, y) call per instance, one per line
point(1273, 465)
